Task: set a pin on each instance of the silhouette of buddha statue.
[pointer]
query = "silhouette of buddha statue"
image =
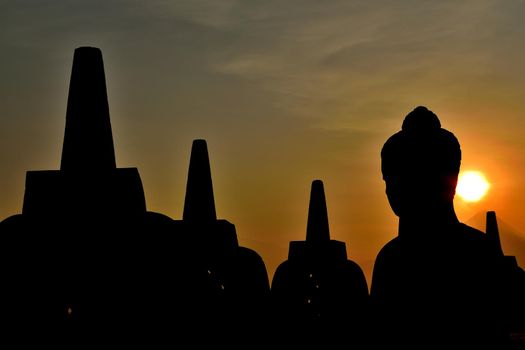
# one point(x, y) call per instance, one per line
point(436, 283)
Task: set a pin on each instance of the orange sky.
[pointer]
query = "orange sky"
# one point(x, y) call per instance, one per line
point(284, 92)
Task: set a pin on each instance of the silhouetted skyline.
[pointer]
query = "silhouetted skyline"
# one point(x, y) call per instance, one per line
point(84, 252)
point(283, 95)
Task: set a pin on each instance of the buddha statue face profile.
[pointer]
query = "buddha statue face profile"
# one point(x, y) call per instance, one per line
point(420, 165)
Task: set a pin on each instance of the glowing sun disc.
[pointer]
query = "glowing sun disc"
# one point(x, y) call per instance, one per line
point(472, 186)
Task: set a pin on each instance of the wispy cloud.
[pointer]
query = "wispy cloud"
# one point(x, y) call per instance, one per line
point(346, 58)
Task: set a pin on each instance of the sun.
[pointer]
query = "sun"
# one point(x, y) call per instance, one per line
point(472, 186)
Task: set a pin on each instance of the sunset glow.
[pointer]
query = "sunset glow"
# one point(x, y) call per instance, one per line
point(283, 93)
point(472, 186)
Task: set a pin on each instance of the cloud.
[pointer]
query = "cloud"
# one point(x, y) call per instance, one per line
point(217, 14)
point(351, 65)
point(352, 61)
